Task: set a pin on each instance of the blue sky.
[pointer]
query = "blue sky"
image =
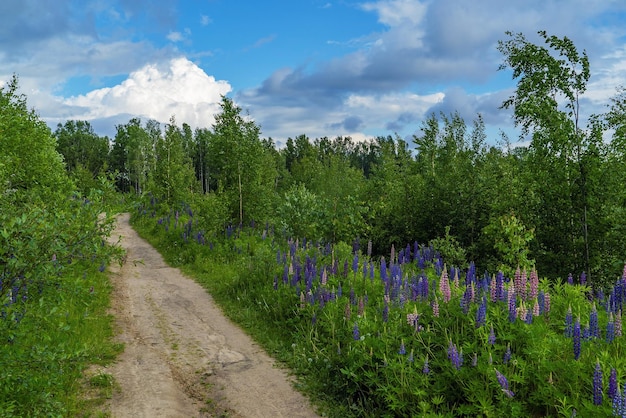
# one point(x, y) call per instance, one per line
point(313, 67)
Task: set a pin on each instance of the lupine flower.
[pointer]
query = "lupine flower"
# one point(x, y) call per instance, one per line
point(517, 281)
point(402, 350)
point(610, 329)
point(493, 296)
point(583, 278)
point(536, 309)
point(529, 317)
point(504, 384)
point(534, 284)
point(618, 324)
point(612, 384)
point(436, 308)
point(412, 319)
point(347, 312)
point(410, 358)
point(570, 279)
point(597, 384)
point(456, 357)
point(361, 307)
point(546, 308)
point(355, 332)
point(576, 339)
point(492, 336)
point(426, 368)
point(481, 313)
point(507, 354)
point(444, 286)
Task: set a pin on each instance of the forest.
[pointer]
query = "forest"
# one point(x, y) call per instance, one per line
point(557, 203)
point(517, 237)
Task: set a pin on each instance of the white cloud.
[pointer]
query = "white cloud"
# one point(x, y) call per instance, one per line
point(175, 36)
point(179, 88)
point(205, 20)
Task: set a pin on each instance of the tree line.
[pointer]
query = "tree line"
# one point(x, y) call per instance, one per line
point(558, 203)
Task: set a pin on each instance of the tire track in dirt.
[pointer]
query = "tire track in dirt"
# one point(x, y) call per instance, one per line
point(183, 357)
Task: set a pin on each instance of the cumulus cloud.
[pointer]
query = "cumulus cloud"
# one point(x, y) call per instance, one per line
point(177, 88)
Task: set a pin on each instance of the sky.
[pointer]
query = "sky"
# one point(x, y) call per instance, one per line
point(297, 67)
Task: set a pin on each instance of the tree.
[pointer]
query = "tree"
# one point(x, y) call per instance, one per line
point(85, 153)
point(240, 168)
point(173, 179)
point(28, 156)
point(546, 105)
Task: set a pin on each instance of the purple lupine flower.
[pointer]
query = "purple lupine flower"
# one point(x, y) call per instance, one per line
point(383, 269)
point(583, 278)
point(597, 384)
point(275, 282)
point(569, 330)
point(426, 368)
point(618, 324)
point(481, 313)
point(402, 350)
point(500, 286)
point(493, 296)
point(355, 332)
point(610, 329)
point(504, 384)
point(355, 263)
point(465, 300)
point(361, 307)
point(618, 404)
point(613, 389)
point(456, 357)
point(534, 284)
point(507, 354)
point(570, 279)
point(576, 339)
point(492, 336)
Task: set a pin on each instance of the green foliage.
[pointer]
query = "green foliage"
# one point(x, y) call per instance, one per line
point(511, 239)
point(53, 294)
point(450, 249)
point(352, 340)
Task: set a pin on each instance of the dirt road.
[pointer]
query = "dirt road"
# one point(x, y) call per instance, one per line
point(182, 357)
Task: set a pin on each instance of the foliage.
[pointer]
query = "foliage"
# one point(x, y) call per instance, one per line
point(408, 336)
point(53, 294)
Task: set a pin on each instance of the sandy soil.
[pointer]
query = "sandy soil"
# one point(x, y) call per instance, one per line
point(182, 357)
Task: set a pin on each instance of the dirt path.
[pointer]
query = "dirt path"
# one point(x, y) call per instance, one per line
point(182, 357)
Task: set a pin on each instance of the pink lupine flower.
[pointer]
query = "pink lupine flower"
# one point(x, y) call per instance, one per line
point(536, 307)
point(444, 286)
point(436, 308)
